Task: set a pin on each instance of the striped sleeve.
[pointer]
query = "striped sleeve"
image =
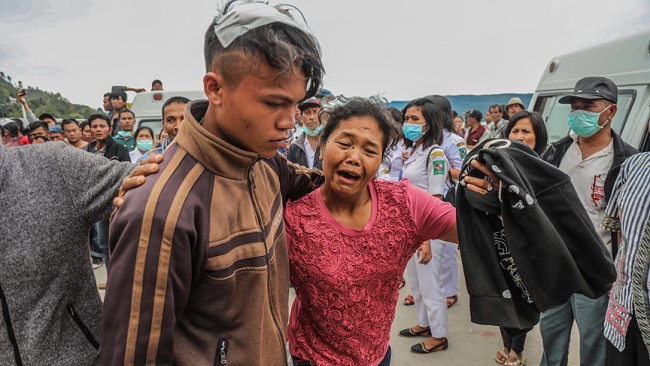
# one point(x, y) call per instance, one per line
point(157, 241)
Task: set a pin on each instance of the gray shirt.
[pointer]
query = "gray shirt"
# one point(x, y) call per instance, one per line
point(50, 196)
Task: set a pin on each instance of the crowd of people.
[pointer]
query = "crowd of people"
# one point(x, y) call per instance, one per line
point(263, 185)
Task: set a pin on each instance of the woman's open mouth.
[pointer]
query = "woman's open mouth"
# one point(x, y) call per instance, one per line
point(348, 175)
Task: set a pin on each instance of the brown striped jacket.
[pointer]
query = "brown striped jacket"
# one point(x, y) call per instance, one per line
point(199, 268)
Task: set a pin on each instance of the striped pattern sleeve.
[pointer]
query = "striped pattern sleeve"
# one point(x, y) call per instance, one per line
point(157, 242)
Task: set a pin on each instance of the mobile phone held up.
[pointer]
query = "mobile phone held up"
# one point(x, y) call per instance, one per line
point(21, 90)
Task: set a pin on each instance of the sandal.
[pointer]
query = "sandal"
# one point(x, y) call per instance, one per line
point(518, 361)
point(503, 354)
point(421, 348)
point(402, 284)
point(408, 332)
point(451, 303)
point(409, 300)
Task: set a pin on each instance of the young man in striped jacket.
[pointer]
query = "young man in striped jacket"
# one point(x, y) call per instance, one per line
point(199, 267)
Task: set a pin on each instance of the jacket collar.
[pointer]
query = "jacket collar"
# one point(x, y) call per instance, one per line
point(300, 141)
point(216, 155)
point(108, 141)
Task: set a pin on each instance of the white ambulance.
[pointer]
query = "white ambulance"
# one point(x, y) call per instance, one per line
point(626, 61)
point(147, 106)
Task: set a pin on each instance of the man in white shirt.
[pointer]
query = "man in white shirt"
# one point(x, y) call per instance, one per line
point(591, 155)
point(496, 123)
point(305, 149)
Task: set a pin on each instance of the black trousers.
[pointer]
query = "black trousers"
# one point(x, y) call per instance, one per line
point(635, 352)
point(517, 343)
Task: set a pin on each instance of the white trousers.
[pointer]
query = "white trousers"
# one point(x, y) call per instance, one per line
point(449, 271)
point(427, 290)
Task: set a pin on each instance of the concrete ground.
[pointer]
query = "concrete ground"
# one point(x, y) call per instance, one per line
point(469, 343)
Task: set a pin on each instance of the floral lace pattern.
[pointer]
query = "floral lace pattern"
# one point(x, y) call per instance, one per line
point(348, 284)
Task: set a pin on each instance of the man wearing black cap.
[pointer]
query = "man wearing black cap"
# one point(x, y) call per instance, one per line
point(9, 133)
point(591, 155)
point(305, 149)
point(477, 132)
point(48, 118)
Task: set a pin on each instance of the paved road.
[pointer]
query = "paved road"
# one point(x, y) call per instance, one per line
point(469, 344)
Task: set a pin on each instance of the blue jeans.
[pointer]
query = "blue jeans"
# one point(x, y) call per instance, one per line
point(384, 362)
point(555, 326)
point(99, 240)
point(95, 250)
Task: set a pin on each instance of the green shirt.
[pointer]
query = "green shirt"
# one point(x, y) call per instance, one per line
point(129, 144)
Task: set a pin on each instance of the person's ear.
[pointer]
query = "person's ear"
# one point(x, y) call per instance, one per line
point(213, 86)
point(612, 111)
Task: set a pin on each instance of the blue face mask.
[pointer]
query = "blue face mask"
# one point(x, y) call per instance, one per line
point(313, 132)
point(412, 131)
point(585, 123)
point(124, 134)
point(145, 145)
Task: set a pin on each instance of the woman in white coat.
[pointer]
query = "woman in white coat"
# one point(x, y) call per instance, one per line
point(427, 168)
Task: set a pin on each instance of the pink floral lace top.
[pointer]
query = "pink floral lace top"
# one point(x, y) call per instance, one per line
point(347, 280)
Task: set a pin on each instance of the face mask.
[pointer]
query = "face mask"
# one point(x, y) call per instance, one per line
point(585, 123)
point(312, 133)
point(124, 134)
point(145, 145)
point(412, 131)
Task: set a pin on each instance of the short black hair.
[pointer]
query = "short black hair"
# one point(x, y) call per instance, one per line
point(433, 116)
point(445, 112)
point(95, 116)
point(135, 135)
point(67, 121)
point(281, 45)
point(19, 122)
point(83, 125)
point(156, 81)
point(176, 99)
point(373, 107)
point(396, 115)
point(125, 110)
point(108, 94)
point(119, 94)
point(38, 124)
point(539, 127)
point(497, 106)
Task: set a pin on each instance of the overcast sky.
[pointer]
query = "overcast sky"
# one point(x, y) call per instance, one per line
point(403, 49)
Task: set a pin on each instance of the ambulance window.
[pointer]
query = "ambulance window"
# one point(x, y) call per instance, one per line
point(624, 104)
point(557, 122)
point(543, 105)
point(155, 125)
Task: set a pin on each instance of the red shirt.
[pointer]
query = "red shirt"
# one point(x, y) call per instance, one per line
point(347, 280)
point(474, 137)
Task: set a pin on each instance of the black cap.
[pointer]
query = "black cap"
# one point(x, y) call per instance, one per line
point(474, 113)
point(46, 115)
point(10, 126)
point(310, 103)
point(593, 87)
